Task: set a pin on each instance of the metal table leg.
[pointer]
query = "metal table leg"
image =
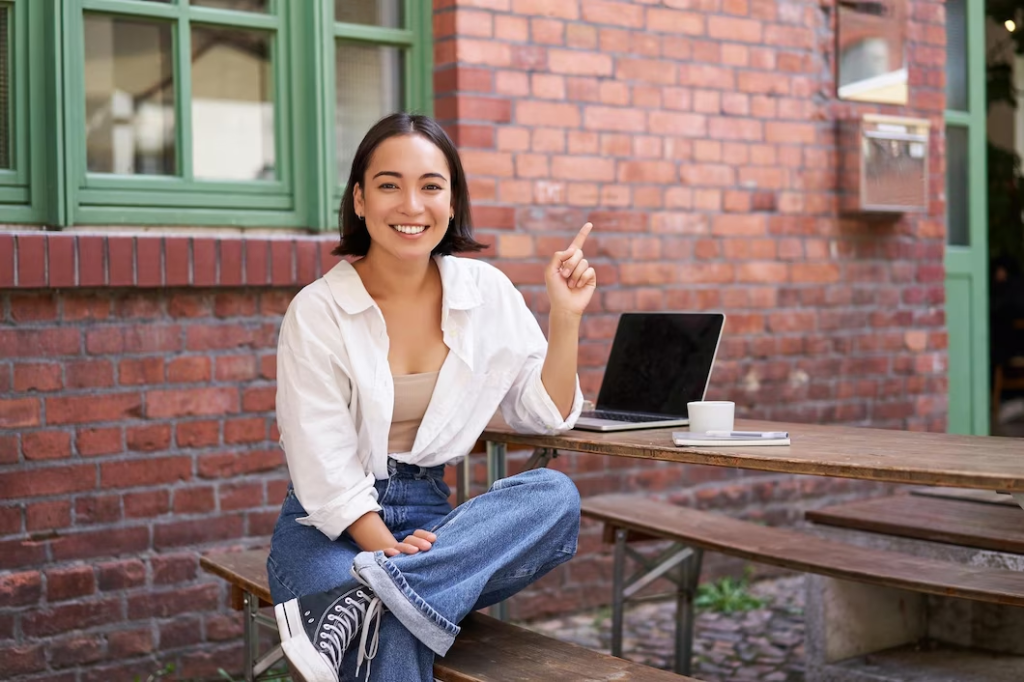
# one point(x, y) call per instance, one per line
point(497, 467)
point(464, 478)
point(541, 457)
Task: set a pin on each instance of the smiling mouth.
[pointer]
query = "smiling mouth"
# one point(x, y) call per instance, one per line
point(409, 229)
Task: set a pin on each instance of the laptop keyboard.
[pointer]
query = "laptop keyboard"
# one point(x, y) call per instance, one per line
point(621, 416)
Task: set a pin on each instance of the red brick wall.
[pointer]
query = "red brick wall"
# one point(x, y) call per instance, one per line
point(136, 375)
point(139, 432)
point(699, 136)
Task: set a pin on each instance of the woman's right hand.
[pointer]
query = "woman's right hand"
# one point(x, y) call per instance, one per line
point(419, 541)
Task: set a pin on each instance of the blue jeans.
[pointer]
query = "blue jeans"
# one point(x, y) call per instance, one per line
point(487, 549)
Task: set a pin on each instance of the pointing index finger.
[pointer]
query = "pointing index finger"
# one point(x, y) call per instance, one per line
point(581, 236)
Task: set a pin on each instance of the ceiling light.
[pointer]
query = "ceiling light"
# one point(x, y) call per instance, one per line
point(1010, 25)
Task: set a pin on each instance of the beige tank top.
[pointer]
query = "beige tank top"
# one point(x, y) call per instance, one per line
point(412, 395)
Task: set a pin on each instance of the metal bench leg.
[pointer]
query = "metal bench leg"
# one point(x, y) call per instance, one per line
point(686, 592)
point(255, 665)
point(618, 589)
point(251, 635)
point(678, 564)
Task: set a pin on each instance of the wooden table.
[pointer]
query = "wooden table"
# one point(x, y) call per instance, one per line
point(933, 459)
point(929, 459)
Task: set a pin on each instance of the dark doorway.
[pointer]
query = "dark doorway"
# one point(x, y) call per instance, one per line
point(1005, 126)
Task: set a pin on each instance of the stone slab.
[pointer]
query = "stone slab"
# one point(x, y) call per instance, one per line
point(910, 664)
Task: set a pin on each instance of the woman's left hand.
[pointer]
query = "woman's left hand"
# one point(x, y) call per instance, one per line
point(569, 278)
point(419, 541)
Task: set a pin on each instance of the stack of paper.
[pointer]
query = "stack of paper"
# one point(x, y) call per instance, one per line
point(730, 438)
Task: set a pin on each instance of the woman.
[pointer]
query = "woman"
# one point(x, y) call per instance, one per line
point(390, 367)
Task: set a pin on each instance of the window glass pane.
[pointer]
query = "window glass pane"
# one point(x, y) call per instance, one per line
point(957, 197)
point(240, 5)
point(129, 96)
point(376, 12)
point(368, 83)
point(232, 105)
point(956, 55)
point(5, 86)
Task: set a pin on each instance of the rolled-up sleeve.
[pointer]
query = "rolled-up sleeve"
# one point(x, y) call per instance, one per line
point(527, 407)
point(318, 434)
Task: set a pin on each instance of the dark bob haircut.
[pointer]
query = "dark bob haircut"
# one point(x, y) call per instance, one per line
point(355, 239)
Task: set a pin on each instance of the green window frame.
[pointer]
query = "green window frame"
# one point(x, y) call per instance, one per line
point(22, 197)
point(413, 39)
point(302, 38)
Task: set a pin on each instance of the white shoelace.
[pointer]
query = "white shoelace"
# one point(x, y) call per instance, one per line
point(374, 611)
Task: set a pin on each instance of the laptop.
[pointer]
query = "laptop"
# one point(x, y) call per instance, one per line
point(658, 363)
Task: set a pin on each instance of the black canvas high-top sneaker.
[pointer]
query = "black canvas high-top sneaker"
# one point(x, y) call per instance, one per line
point(317, 630)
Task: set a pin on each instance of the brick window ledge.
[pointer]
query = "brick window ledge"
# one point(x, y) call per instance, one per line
point(32, 260)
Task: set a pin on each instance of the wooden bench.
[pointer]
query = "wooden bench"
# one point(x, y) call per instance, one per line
point(487, 650)
point(984, 530)
point(967, 494)
point(628, 518)
point(984, 524)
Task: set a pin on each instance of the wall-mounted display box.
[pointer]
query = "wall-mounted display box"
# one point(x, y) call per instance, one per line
point(871, 51)
point(884, 166)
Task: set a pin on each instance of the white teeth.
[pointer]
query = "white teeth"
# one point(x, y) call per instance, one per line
point(409, 229)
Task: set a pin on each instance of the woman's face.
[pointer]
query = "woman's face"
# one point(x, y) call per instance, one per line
point(407, 200)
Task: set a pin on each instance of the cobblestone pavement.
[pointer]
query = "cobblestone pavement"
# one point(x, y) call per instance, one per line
point(765, 644)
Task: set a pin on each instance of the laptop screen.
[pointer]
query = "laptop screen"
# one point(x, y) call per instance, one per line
point(660, 361)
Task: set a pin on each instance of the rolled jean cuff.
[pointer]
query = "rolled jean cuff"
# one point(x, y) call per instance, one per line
point(427, 625)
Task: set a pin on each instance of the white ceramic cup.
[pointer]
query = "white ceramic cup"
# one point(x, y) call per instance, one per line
point(711, 415)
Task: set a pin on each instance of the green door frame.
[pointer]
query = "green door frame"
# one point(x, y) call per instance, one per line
point(967, 265)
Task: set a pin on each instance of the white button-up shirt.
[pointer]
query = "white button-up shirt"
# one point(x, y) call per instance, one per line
point(335, 392)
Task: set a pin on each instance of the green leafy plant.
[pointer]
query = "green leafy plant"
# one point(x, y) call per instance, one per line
point(727, 595)
point(279, 673)
point(601, 614)
point(166, 670)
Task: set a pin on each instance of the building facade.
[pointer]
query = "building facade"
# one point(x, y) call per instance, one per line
point(171, 172)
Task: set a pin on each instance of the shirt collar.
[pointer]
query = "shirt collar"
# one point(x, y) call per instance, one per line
point(459, 292)
point(347, 288)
